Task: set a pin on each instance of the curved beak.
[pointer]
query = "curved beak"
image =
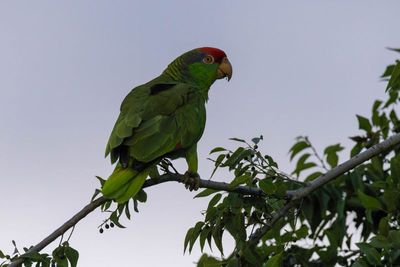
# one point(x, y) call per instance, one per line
point(224, 69)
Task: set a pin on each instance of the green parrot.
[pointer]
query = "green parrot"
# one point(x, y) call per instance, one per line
point(164, 118)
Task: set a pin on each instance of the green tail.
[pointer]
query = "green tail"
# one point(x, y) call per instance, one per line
point(124, 183)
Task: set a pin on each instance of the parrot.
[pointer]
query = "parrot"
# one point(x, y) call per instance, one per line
point(163, 119)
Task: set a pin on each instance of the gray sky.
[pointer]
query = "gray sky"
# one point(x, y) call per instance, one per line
point(300, 67)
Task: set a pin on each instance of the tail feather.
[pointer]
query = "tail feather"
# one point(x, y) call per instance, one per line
point(124, 183)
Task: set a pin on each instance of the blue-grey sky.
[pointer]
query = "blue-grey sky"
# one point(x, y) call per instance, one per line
point(300, 68)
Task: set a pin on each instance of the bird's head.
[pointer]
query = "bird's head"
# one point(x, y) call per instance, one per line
point(201, 65)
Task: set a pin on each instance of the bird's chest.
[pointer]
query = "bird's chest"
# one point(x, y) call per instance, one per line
point(191, 119)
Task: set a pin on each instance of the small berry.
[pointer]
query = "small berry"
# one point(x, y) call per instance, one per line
point(253, 168)
point(111, 225)
point(101, 230)
point(255, 146)
point(107, 226)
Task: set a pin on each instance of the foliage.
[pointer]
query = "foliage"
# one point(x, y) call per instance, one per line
point(62, 256)
point(353, 221)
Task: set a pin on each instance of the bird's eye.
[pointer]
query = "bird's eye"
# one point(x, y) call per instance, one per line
point(208, 59)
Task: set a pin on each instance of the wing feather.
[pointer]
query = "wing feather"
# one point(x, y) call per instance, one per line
point(149, 124)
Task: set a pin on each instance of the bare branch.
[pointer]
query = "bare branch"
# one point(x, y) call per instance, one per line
point(297, 194)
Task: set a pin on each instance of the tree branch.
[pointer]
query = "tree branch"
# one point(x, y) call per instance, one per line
point(170, 177)
point(294, 195)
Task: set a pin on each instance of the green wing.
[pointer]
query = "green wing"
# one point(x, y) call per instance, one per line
point(156, 119)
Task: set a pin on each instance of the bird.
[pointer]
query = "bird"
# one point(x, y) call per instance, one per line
point(163, 119)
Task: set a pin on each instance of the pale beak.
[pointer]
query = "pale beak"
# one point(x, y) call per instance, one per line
point(224, 69)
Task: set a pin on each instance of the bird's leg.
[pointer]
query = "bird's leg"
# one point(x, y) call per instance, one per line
point(191, 180)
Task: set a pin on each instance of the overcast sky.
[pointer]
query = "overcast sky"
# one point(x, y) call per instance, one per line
point(300, 68)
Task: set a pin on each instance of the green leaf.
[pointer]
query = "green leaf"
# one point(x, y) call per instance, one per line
point(141, 196)
point(211, 214)
point(217, 149)
point(237, 139)
point(393, 97)
point(208, 261)
point(331, 154)
point(235, 226)
point(251, 256)
point(379, 241)
point(370, 252)
point(394, 79)
point(32, 255)
point(217, 164)
point(240, 180)
point(375, 112)
point(391, 198)
point(127, 211)
point(384, 226)
point(101, 180)
point(236, 157)
point(395, 169)
point(297, 148)
point(275, 261)
point(312, 176)
point(394, 238)
point(303, 165)
point(203, 236)
point(195, 234)
point(187, 238)
point(214, 201)
point(394, 49)
point(395, 121)
point(388, 72)
point(384, 125)
point(302, 232)
point(364, 124)
point(72, 256)
point(369, 202)
point(233, 262)
point(59, 257)
point(217, 236)
point(267, 186)
point(356, 149)
point(115, 219)
point(205, 193)
point(359, 263)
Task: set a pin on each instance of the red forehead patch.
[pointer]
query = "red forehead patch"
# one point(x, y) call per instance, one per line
point(218, 54)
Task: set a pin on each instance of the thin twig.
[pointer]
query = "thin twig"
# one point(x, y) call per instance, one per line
point(70, 234)
point(317, 155)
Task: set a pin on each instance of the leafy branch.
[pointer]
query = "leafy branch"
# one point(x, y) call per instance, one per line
point(295, 195)
point(169, 177)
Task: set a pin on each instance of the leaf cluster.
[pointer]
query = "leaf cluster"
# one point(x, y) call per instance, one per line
point(62, 256)
point(352, 221)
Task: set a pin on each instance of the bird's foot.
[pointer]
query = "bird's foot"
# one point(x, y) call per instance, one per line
point(191, 180)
